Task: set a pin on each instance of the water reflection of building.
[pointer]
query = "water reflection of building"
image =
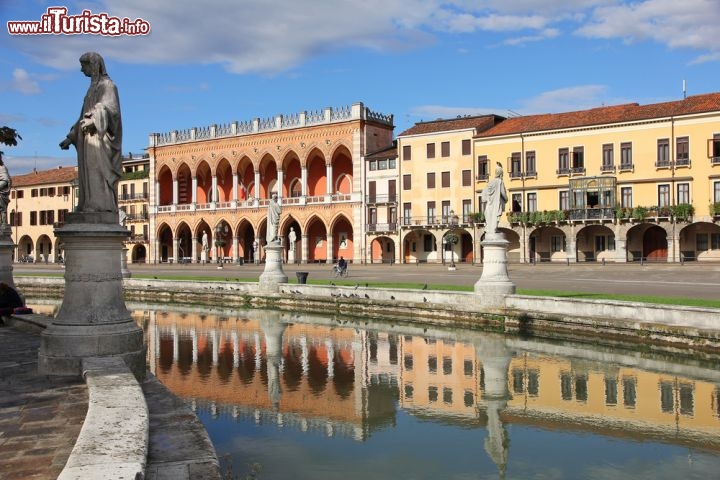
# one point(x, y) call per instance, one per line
point(322, 373)
point(347, 381)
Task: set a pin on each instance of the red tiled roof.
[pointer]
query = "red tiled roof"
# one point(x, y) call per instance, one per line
point(479, 123)
point(43, 177)
point(389, 152)
point(605, 115)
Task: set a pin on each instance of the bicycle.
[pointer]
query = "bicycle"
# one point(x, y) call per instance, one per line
point(340, 272)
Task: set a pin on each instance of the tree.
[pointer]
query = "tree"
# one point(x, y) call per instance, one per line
point(9, 136)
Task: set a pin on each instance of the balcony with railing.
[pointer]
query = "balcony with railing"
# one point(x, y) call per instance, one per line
point(380, 199)
point(136, 217)
point(381, 227)
point(130, 197)
point(251, 203)
point(137, 238)
point(435, 221)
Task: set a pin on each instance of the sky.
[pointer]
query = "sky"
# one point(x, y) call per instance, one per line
point(217, 61)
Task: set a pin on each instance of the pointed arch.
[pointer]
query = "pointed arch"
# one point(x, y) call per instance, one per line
point(224, 176)
point(316, 173)
point(203, 174)
point(165, 184)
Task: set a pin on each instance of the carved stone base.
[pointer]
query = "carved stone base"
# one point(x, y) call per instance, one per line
point(273, 275)
point(6, 251)
point(494, 282)
point(93, 320)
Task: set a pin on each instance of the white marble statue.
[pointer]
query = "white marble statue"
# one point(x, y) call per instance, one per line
point(5, 185)
point(273, 220)
point(495, 198)
point(292, 238)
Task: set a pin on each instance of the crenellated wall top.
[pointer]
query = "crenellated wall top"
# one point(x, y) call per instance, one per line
point(328, 115)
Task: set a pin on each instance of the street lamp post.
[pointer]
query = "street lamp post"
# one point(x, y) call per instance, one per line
point(218, 242)
point(452, 237)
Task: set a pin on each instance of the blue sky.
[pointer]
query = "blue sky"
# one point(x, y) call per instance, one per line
point(216, 61)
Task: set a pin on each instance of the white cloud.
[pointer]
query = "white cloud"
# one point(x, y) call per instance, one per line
point(687, 24)
point(544, 35)
point(22, 82)
point(579, 97)
point(433, 112)
point(19, 165)
point(257, 36)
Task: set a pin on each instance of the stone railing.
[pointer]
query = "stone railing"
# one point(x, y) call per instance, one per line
point(356, 111)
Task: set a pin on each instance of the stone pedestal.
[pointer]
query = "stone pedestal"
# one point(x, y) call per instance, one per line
point(123, 264)
point(273, 275)
point(93, 320)
point(291, 256)
point(494, 282)
point(6, 252)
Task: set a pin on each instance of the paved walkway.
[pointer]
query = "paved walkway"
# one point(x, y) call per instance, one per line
point(692, 280)
point(40, 416)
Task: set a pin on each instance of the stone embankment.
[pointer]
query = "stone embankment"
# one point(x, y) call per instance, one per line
point(690, 329)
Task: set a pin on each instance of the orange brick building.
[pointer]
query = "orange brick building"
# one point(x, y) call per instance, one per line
point(217, 181)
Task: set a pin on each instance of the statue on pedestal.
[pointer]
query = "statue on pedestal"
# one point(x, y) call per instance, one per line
point(292, 238)
point(5, 185)
point(495, 198)
point(273, 220)
point(97, 136)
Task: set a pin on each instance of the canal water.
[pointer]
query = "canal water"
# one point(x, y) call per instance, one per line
point(309, 397)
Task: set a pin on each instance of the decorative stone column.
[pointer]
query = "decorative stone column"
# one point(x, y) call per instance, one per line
point(494, 283)
point(273, 275)
point(6, 251)
point(93, 320)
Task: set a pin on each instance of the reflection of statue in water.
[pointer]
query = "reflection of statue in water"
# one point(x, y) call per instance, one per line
point(292, 238)
point(273, 220)
point(5, 184)
point(495, 197)
point(97, 136)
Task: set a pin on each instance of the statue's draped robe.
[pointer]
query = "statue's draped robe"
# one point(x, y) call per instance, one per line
point(495, 197)
point(273, 220)
point(5, 186)
point(99, 149)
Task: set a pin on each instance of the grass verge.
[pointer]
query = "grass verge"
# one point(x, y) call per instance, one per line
point(664, 300)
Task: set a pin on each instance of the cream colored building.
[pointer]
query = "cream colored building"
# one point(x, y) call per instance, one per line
point(621, 183)
point(40, 201)
point(437, 189)
point(133, 199)
point(381, 205)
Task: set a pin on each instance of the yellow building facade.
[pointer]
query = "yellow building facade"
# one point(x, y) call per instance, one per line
point(622, 183)
point(133, 200)
point(41, 200)
point(38, 201)
point(437, 189)
point(214, 183)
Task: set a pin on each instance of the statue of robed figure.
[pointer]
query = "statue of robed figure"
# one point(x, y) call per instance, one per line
point(97, 136)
